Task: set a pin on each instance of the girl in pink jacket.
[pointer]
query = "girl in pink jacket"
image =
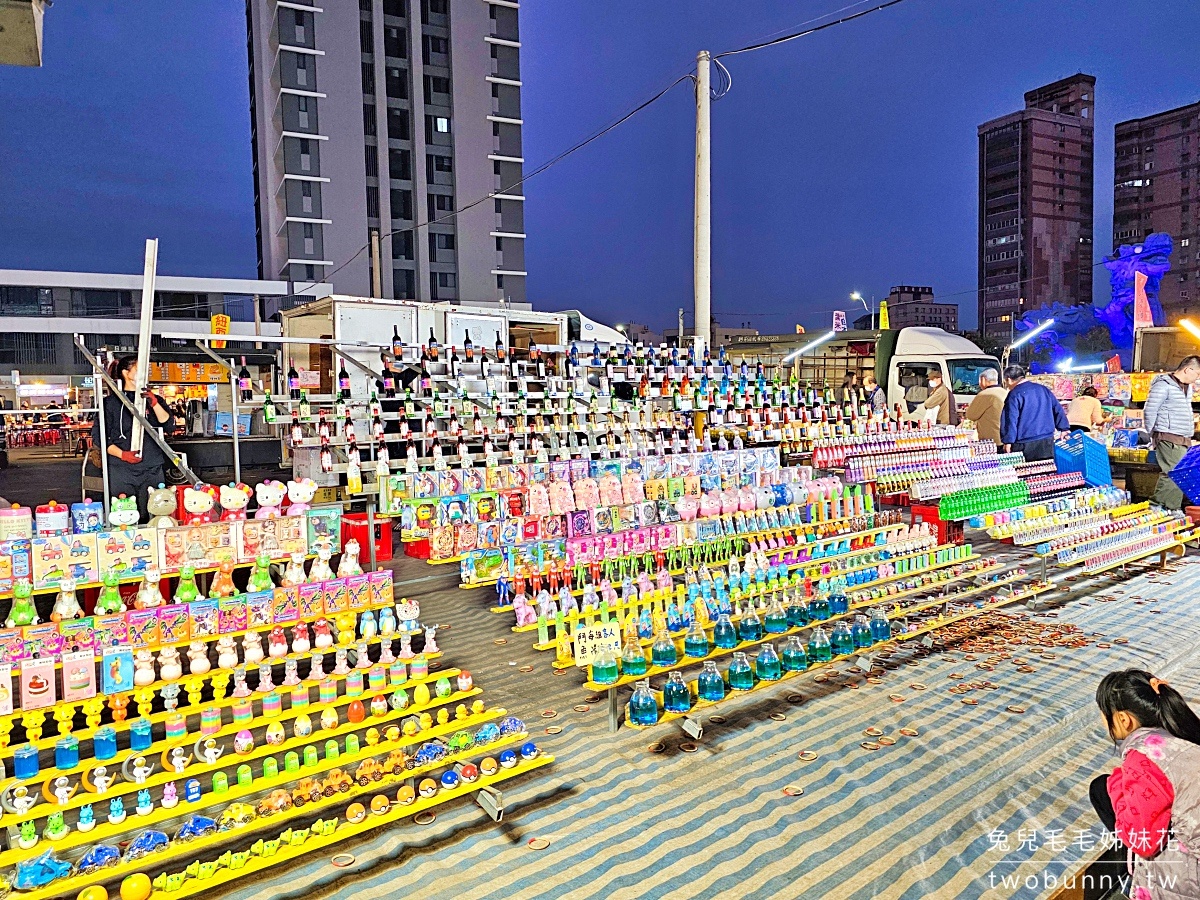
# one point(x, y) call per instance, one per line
point(1152, 799)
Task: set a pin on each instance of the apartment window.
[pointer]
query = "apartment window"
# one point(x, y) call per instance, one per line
point(101, 303)
point(447, 279)
point(370, 128)
point(306, 196)
point(440, 205)
point(371, 155)
point(364, 6)
point(366, 42)
point(442, 163)
point(397, 83)
point(395, 42)
point(302, 111)
point(398, 128)
point(441, 125)
point(26, 301)
point(435, 84)
point(181, 306)
point(301, 69)
point(372, 202)
point(305, 155)
point(435, 46)
point(500, 281)
point(402, 244)
point(442, 241)
point(1185, 242)
point(1149, 166)
point(368, 78)
point(310, 240)
point(400, 165)
point(438, 7)
point(299, 27)
point(26, 349)
point(499, 245)
point(402, 207)
point(404, 284)
point(394, 8)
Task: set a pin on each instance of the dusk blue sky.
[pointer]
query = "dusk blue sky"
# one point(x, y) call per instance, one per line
point(842, 161)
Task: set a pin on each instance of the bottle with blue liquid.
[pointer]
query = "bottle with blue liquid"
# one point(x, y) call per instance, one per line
point(842, 641)
point(676, 696)
point(794, 658)
point(819, 649)
point(818, 609)
point(776, 620)
point(861, 632)
point(724, 634)
point(643, 710)
point(662, 651)
point(797, 611)
point(750, 626)
point(881, 628)
point(740, 674)
point(710, 685)
point(604, 668)
point(838, 603)
point(695, 644)
point(767, 665)
point(633, 657)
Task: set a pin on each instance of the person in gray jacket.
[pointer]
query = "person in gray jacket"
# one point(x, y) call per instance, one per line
point(1168, 418)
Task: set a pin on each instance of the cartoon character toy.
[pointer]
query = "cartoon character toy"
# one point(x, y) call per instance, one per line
point(300, 495)
point(270, 495)
point(66, 606)
point(198, 503)
point(123, 512)
point(234, 499)
point(149, 596)
point(23, 611)
point(349, 564)
point(162, 504)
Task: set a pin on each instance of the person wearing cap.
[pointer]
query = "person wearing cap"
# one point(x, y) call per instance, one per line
point(1032, 416)
point(1168, 417)
point(987, 406)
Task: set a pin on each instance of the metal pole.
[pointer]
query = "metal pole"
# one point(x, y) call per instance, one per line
point(376, 270)
point(233, 404)
point(703, 231)
point(98, 391)
point(143, 376)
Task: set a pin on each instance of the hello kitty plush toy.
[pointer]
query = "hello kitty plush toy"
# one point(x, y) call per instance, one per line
point(234, 500)
point(300, 494)
point(198, 503)
point(270, 495)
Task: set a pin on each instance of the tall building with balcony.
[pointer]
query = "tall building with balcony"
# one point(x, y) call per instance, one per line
point(388, 116)
point(1156, 172)
point(1035, 204)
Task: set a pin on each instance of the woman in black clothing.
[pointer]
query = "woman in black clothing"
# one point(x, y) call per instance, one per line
point(129, 473)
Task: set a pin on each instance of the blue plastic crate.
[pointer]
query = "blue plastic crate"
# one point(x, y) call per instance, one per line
point(1080, 453)
point(1187, 474)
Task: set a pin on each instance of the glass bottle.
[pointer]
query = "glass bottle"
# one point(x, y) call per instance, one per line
point(767, 665)
point(861, 632)
point(643, 710)
point(724, 634)
point(750, 626)
point(838, 604)
point(633, 657)
point(794, 657)
point(662, 651)
point(776, 619)
point(797, 611)
point(881, 628)
point(819, 649)
point(842, 641)
point(741, 676)
point(604, 668)
point(710, 685)
point(676, 696)
point(818, 609)
point(695, 643)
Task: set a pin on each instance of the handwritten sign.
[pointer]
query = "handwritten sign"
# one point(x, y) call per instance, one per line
point(592, 640)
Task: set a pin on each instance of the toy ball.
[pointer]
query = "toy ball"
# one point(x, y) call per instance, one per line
point(135, 887)
point(406, 795)
point(469, 773)
point(508, 759)
point(449, 779)
point(274, 733)
point(243, 742)
point(380, 804)
point(303, 726)
point(93, 892)
point(329, 718)
point(489, 766)
point(529, 750)
point(427, 788)
point(355, 813)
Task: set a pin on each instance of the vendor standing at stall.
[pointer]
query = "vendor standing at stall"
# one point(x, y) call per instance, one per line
point(130, 473)
point(1169, 419)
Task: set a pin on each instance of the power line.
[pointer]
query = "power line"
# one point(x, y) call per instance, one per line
point(799, 34)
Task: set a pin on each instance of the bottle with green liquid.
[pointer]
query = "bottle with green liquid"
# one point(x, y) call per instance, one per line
point(662, 651)
point(794, 657)
point(740, 674)
point(819, 649)
point(633, 657)
point(695, 643)
point(604, 668)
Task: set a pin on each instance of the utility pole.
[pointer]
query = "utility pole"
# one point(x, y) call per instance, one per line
point(376, 266)
point(679, 343)
point(703, 232)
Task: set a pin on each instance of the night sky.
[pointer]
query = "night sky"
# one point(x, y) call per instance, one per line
point(842, 161)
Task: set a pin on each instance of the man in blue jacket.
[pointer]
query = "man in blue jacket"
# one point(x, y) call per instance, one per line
point(1031, 417)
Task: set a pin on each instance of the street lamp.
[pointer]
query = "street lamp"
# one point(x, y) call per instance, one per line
point(858, 298)
point(1024, 339)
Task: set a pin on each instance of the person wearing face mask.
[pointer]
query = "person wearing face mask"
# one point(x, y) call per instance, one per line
point(130, 473)
point(939, 406)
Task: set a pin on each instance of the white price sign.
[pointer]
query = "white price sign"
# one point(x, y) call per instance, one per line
point(592, 640)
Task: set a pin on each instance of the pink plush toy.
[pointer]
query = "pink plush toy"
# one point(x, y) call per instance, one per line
point(300, 494)
point(632, 489)
point(710, 505)
point(729, 501)
point(746, 502)
point(687, 507)
point(270, 495)
point(610, 490)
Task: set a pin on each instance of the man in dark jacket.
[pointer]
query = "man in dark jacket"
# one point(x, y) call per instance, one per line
point(1169, 419)
point(1031, 416)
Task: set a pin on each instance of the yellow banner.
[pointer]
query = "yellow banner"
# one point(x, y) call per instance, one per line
point(220, 325)
point(883, 314)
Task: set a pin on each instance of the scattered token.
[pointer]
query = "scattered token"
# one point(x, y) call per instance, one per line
point(873, 731)
point(869, 745)
point(342, 860)
point(778, 717)
point(1025, 669)
point(1015, 709)
point(896, 698)
point(911, 662)
point(592, 698)
point(886, 741)
point(955, 675)
point(548, 714)
point(1104, 646)
point(807, 755)
point(917, 686)
point(1120, 640)
point(821, 679)
point(657, 747)
point(717, 720)
point(560, 671)
point(910, 732)
point(795, 698)
point(500, 641)
point(793, 790)
point(525, 669)
point(424, 818)
point(874, 679)
point(969, 701)
point(554, 729)
point(434, 666)
point(688, 747)
point(538, 844)
point(853, 685)
point(582, 707)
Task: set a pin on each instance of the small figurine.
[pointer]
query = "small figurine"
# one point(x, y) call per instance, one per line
point(277, 645)
point(170, 696)
point(116, 811)
point(265, 683)
point(260, 575)
point(252, 649)
point(524, 613)
point(169, 667)
point(149, 596)
point(66, 606)
point(270, 495)
point(301, 638)
point(109, 602)
point(234, 499)
point(28, 836)
point(291, 676)
point(161, 504)
point(322, 634)
point(321, 570)
point(341, 665)
point(363, 658)
point(406, 651)
point(300, 494)
point(293, 574)
point(178, 760)
point(227, 656)
point(431, 639)
point(145, 805)
point(349, 564)
point(222, 583)
point(23, 611)
point(208, 750)
point(170, 796)
point(143, 668)
point(123, 512)
point(87, 818)
point(198, 663)
point(137, 769)
point(367, 626)
point(198, 503)
point(186, 590)
point(239, 683)
point(63, 792)
point(101, 780)
point(387, 622)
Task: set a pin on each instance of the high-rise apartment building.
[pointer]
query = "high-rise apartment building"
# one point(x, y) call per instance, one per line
point(389, 115)
point(1156, 171)
point(1035, 204)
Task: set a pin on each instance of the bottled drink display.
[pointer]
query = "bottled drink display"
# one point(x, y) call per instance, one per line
point(643, 709)
point(293, 383)
point(343, 382)
point(842, 641)
point(695, 643)
point(819, 608)
point(710, 685)
point(776, 620)
point(767, 665)
point(676, 696)
point(740, 674)
point(633, 657)
point(749, 627)
point(861, 632)
point(881, 628)
point(662, 652)
point(797, 612)
point(245, 387)
point(724, 634)
point(793, 657)
point(819, 649)
point(604, 668)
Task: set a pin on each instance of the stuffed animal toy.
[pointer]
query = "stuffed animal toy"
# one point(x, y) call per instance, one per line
point(123, 512)
point(198, 503)
point(270, 495)
point(300, 494)
point(234, 500)
point(162, 504)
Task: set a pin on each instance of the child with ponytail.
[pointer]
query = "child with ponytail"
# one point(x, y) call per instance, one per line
point(1152, 800)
